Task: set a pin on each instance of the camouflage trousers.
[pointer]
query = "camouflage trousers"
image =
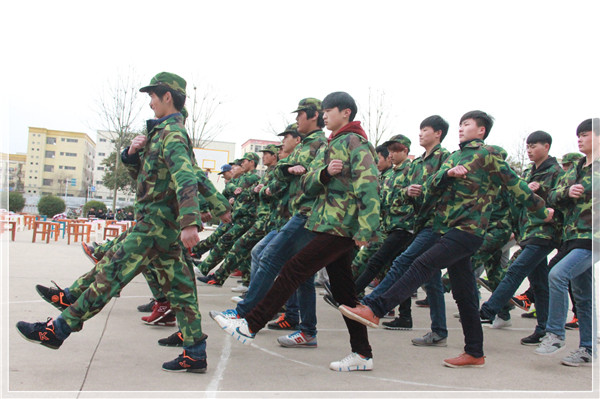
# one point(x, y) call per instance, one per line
point(225, 243)
point(239, 257)
point(359, 263)
point(128, 258)
point(209, 242)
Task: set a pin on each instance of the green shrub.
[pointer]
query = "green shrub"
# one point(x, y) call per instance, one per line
point(50, 205)
point(93, 204)
point(16, 202)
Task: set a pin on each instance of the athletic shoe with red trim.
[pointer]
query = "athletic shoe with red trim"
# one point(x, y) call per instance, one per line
point(175, 339)
point(283, 324)
point(56, 297)
point(185, 363)
point(88, 250)
point(41, 333)
point(160, 312)
point(521, 301)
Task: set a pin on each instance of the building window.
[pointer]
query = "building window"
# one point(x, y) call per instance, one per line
point(49, 154)
point(47, 182)
point(50, 140)
point(70, 154)
point(72, 141)
point(48, 168)
point(101, 154)
point(100, 168)
point(60, 167)
point(102, 140)
point(98, 182)
point(70, 168)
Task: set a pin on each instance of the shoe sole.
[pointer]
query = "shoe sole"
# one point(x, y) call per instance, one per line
point(340, 369)
point(171, 345)
point(441, 345)
point(297, 345)
point(356, 317)
point(56, 305)
point(397, 328)
point(570, 364)
point(484, 285)
point(198, 371)
point(454, 366)
point(88, 255)
point(158, 319)
point(550, 353)
point(37, 342)
point(519, 306)
point(221, 322)
point(236, 299)
point(530, 344)
point(422, 306)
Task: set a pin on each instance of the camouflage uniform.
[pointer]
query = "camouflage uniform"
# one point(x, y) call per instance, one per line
point(167, 201)
point(243, 217)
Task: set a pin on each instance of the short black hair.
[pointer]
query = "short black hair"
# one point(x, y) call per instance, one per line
point(342, 101)
point(178, 98)
point(539, 136)
point(585, 126)
point(310, 113)
point(436, 122)
point(481, 119)
point(382, 150)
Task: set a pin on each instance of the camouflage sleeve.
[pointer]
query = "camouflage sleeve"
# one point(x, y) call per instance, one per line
point(131, 162)
point(311, 181)
point(549, 181)
point(559, 196)
point(214, 200)
point(365, 184)
point(176, 154)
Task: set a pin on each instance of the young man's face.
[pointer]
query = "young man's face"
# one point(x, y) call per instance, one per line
point(335, 119)
point(428, 137)
point(585, 142)
point(289, 142)
point(469, 130)
point(383, 163)
point(247, 165)
point(397, 157)
point(567, 166)
point(158, 106)
point(236, 170)
point(282, 154)
point(227, 175)
point(537, 151)
point(304, 123)
point(269, 159)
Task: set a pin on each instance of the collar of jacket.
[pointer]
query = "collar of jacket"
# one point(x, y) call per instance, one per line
point(475, 143)
point(401, 165)
point(352, 127)
point(433, 151)
point(311, 134)
point(548, 163)
point(153, 123)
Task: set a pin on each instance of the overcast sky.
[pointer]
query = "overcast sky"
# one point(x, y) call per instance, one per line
point(532, 65)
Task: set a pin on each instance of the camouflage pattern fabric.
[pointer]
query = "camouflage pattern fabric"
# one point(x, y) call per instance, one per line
point(348, 203)
point(400, 216)
point(209, 242)
point(466, 203)
point(218, 252)
point(359, 263)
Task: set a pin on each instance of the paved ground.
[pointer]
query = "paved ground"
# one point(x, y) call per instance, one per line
point(117, 356)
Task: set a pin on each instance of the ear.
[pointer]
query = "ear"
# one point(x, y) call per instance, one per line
point(346, 113)
point(168, 98)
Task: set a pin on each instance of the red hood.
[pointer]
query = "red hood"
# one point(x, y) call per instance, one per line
point(352, 127)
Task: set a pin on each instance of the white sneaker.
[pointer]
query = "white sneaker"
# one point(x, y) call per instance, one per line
point(580, 357)
point(550, 344)
point(298, 340)
point(226, 314)
point(237, 328)
point(240, 288)
point(236, 299)
point(499, 323)
point(353, 362)
point(197, 272)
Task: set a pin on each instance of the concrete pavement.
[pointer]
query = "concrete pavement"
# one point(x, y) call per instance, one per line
point(115, 355)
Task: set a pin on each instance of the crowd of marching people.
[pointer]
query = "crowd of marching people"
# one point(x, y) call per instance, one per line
point(337, 208)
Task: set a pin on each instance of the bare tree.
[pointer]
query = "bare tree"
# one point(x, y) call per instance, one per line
point(119, 107)
point(518, 158)
point(283, 122)
point(202, 125)
point(376, 117)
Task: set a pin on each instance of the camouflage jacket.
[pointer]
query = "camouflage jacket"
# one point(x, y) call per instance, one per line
point(531, 229)
point(245, 202)
point(167, 185)
point(577, 211)
point(303, 155)
point(401, 217)
point(420, 170)
point(280, 194)
point(347, 204)
point(210, 199)
point(265, 203)
point(230, 188)
point(466, 203)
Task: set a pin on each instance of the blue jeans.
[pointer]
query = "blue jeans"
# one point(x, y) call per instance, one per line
point(282, 246)
point(532, 262)
point(575, 267)
point(257, 251)
point(435, 291)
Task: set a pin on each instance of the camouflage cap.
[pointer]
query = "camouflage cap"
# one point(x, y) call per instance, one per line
point(272, 148)
point(308, 103)
point(225, 168)
point(166, 79)
point(251, 156)
point(235, 162)
point(501, 151)
point(571, 157)
point(291, 129)
point(399, 138)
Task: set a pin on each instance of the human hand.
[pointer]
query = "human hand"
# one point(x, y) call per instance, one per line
point(534, 186)
point(258, 187)
point(237, 190)
point(226, 217)
point(205, 217)
point(550, 215)
point(414, 190)
point(335, 167)
point(297, 170)
point(576, 190)
point(457, 171)
point(189, 236)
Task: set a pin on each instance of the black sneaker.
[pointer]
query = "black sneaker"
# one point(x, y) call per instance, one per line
point(399, 323)
point(147, 308)
point(485, 319)
point(54, 296)
point(529, 315)
point(185, 363)
point(41, 333)
point(283, 324)
point(330, 301)
point(422, 303)
point(175, 339)
point(533, 339)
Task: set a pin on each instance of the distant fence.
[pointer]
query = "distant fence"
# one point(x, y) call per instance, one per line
point(74, 203)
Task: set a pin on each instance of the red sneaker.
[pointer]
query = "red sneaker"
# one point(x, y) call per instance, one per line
point(361, 313)
point(160, 311)
point(465, 360)
point(236, 273)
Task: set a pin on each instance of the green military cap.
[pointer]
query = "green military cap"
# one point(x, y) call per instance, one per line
point(251, 156)
point(272, 148)
point(167, 79)
point(500, 151)
point(291, 129)
point(308, 103)
point(399, 138)
point(236, 162)
point(571, 157)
